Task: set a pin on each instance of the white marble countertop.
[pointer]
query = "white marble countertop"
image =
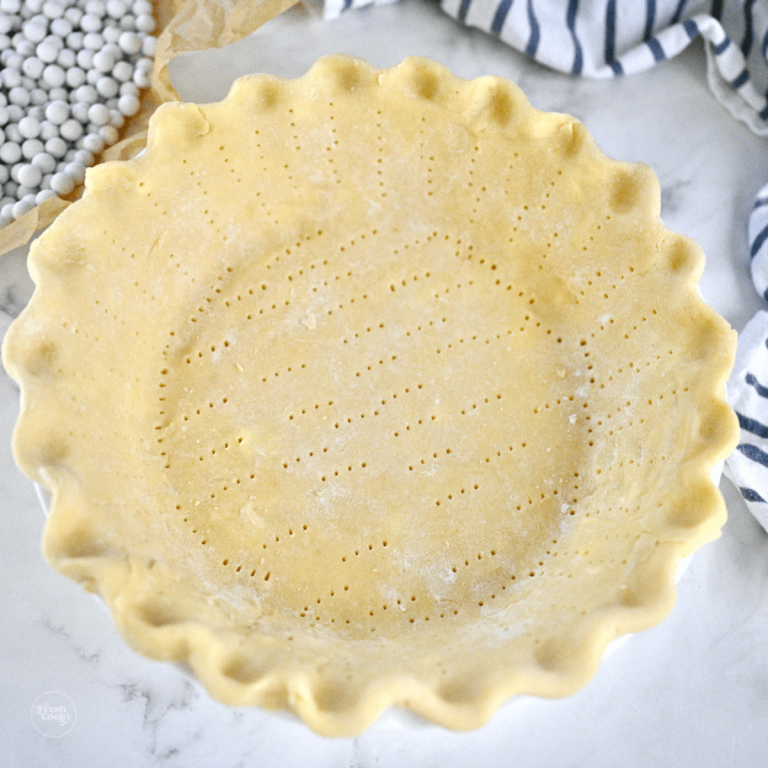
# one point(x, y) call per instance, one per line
point(691, 692)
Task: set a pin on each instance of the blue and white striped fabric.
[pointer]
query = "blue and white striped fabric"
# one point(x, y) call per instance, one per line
point(609, 38)
point(748, 385)
point(747, 466)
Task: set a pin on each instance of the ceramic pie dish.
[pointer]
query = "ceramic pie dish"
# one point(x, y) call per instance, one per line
point(372, 388)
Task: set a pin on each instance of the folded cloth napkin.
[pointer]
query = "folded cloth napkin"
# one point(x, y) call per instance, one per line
point(610, 38)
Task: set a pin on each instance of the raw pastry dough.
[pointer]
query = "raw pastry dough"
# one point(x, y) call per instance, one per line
point(373, 388)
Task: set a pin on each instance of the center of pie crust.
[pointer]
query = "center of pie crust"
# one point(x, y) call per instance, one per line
point(376, 425)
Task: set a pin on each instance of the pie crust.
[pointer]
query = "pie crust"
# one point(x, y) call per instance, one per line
point(372, 388)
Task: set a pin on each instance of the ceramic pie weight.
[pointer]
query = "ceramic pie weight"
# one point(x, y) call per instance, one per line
point(372, 388)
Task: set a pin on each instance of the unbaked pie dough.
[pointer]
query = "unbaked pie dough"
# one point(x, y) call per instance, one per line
point(373, 388)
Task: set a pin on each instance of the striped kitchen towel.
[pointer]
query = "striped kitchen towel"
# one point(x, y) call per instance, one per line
point(748, 386)
point(747, 466)
point(609, 38)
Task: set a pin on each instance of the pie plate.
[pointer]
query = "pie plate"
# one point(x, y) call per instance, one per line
point(372, 388)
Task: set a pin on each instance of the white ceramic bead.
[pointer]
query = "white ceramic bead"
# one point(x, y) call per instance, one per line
point(53, 9)
point(61, 27)
point(57, 112)
point(113, 49)
point(145, 23)
point(149, 45)
point(12, 133)
point(117, 120)
point(111, 33)
point(10, 152)
point(19, 96)
point(85, 59)
point(44, 162)
point(4, 174)
point(43, 195)
point(116, 9)
point(80, 112)
point(47, 51)
point(99, 114)
point(75, 77)
point(141, 7)
point(22, 207)
point(35, 31)
point(66, 58)
point(23, 46)
point(73, 14)
point(93, 41)
point(109, 134)
point(33, 6)
point(103, 61)
point(15, 113)
point(129, 105)
point(31, 147)
point(46, 182)
point(58, 94)
point(56, 147)
point(54, 76)
point(22, 192)
point(14, 61)
point(9, 188)
point(71, 130)
point(48, 130)
point(3, 115)
point(107, 87)
point(122, 71)
point(128, 22)
point(76, 171)
point(11, 77)
point(87, 94)
point(74, 40)
point(32, 67)
point(7, 23)
point(141, 78)
point(96, 7)
point(38, 97)
point(84, 157)
point(92, 76)
point(10, 6)
point(129, 88)
point(6, 213)
point(29, 128)
point(90, 23)
point(30, 175)
point(62, 184)
point(130, 42)
point(93, 143)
